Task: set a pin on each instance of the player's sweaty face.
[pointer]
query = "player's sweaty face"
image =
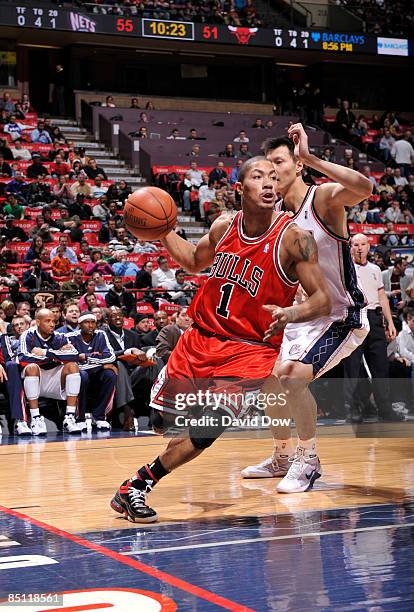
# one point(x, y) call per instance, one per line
point(285, 166)
point(259, 185)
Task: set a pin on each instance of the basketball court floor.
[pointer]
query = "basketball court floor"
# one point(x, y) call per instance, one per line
point(221, 542)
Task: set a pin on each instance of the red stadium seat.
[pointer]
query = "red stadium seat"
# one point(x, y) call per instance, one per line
point(145, 308)
point(169, 308)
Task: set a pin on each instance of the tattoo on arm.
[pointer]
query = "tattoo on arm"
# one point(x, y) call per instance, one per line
point(306, 246)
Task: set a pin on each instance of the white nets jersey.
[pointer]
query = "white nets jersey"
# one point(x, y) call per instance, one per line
point(336, 263)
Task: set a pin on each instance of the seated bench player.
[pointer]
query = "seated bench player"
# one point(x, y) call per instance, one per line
point(49, 369)
point(10, 379)
point(97, 372)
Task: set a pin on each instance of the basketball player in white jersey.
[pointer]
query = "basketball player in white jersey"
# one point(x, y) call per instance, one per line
point(311, 349)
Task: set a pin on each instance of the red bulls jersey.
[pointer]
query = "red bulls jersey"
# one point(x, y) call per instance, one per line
point(245, 275)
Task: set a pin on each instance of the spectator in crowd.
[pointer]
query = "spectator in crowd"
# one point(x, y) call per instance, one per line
point(13, 232)
point(393, 213)
point(242, 137)
point(386, 145)
point(68, 252)
point(98, 190)
point(92, 170)
point(100, 284)
point(385, 186)
point(78, 209)
point(124, 190)
point(15, 295)
point(160, 321)
point(98, 375)
point(121, 242)
point(100, 317)
point(107, 233)
point(123, 267)
point(62, 191)
point(90, 289)
point(258, 124)
point(15, 129)
point(34, 250)
point(98, 264)
point(36, 168)
point(145, 247)
point(36, 279)
point(228, 151)
point(403, 154)
point(366, 171)
point(195, 151)
point(196, 174)
point(134, 103)
point(193, 135)
point(163, 277)
point(389, 238)
point(84, 256)
point(40, 134)
point(6, 103)
point(181, 293)
point(206, 193)
point(109, 102)
point(19, 152)
point(71, 224)
point(142, 324)
point(13, 208)
point(243, 152)
point(175, 135)
point(81, 187)
point(59, 167)
point(101, 211)
point(17, 187)
point(399, 180)
point(9, 309)
point(71, 314)
point(396, 282)
point(73, 288)
point(59, 263)
point(169, 335)
point(389, 176)
point(328, 154)
point(218, 173)
point(234, 174)
point(5, 169)
point(345, 121)
point(143, 279)
point(118, 296)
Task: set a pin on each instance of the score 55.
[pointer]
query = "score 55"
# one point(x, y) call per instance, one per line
point(124, 25)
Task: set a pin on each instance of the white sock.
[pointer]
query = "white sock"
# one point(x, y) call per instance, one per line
point(34, 412)
point(308, 447)
point(283, 448)
point(70, 410)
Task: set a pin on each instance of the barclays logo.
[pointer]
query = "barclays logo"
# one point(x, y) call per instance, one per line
point(316, 36)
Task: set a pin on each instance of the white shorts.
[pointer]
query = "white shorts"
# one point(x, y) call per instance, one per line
point(322, 343)
point(50, 383)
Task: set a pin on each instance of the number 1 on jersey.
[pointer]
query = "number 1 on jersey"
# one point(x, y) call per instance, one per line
point(226, 291)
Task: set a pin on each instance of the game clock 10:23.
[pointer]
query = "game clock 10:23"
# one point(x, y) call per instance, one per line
point(158, 28)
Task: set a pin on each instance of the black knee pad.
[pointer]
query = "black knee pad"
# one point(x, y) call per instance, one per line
point(203, 436)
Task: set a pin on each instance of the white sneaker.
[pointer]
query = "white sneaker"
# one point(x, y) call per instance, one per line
point(82, 425)
point(21, 428)
point(70, 425)
point(302, 474)
point(103, 426)
point(269, 468)
point(38, 426)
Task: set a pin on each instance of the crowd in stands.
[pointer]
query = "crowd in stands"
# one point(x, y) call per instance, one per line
point(228, 12)
point(383, 16)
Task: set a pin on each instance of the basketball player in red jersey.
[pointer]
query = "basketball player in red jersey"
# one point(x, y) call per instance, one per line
point(310, 350)
point(258, 257)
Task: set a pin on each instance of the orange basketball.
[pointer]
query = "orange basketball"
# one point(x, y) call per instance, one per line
point(150, 213)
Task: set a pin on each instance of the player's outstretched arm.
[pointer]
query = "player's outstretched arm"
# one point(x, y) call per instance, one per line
point(301, 257)
point(350, 187)
point(194, 258)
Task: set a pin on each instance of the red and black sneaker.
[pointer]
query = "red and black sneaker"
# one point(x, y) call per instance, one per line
point(130, 502)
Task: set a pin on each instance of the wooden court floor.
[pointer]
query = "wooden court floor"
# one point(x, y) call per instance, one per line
point(215, 529)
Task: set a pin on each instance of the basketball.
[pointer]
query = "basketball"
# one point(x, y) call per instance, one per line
point(149, 213)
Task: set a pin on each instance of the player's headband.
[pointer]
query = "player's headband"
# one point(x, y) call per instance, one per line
point(87, 316)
